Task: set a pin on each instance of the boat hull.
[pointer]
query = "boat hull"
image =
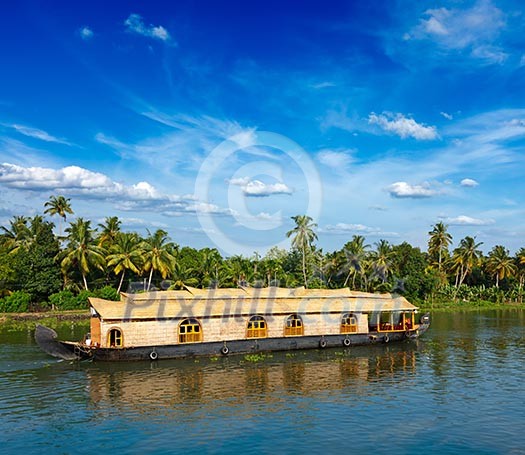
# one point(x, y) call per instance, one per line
point(68, 350)
point(248, 346)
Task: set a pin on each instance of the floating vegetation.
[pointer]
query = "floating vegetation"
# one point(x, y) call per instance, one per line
point(257, 357)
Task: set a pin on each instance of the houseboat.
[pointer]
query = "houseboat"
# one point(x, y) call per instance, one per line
point(210, 322)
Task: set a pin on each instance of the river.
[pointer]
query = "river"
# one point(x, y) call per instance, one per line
point(460, 389)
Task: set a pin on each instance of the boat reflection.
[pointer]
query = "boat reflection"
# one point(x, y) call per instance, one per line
point(169, 383)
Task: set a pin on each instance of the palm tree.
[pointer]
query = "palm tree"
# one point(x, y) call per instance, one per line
point(110, 230)
point(238, 269)
point(210, 264)
point(158, 255)
point(82, 251)
point(520, 267)
point(58, 205)
point(18, 235)
point(500, 264)
point(355, 254)
point(439, 242)
point(381, 258)
point(125, 254)
point(465, 258)
point(303, 236)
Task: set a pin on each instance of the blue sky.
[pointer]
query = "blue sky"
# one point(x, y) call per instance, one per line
point(218, 121)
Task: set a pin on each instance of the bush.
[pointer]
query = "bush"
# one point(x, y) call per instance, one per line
point(82, 299)
point(63, 300)
point(108, 293)
point(17, 302)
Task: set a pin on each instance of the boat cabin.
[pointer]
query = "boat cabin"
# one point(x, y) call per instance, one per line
point(193, 315)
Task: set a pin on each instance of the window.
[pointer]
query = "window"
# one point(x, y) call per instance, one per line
point(190, 331)
point(349, 323)
point(115, 339)
point(293, 326)
point(385, 321)
point(257, 328)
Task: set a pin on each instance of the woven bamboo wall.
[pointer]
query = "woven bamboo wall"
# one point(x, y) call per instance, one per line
point(165, 332)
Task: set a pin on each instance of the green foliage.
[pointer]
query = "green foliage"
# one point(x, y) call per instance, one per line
point(17, 302)
point(31, 256)
point(63, 300)
point(108, 293)
point(31, 265)
point(83, 299)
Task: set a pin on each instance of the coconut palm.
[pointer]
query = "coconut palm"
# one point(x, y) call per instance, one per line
point(500, 264)
point(58, 205)
point(238, 269)
point(381, 259)
point(439, 242)
point(125, 254)
point(82, 252)
point(211, 262)
point(18, 235)
point(355, 254)
point(158, 255)
point(520, 268)
point(465, 258)
point(303, 236)
point(110, 229)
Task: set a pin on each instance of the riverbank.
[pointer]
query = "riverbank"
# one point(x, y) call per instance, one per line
point(58, 320)
point(467, 306)
point(83, 315)
point(69, 315)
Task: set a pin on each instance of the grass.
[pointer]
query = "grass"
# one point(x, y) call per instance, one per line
point(467, 306)
point(55, 320)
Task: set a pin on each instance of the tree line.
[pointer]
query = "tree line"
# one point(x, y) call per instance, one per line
point(40, 269)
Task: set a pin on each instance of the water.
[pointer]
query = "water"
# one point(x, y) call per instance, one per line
point(460, 389)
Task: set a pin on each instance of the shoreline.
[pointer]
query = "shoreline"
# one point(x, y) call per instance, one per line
point(66, 315)
point(84, 315)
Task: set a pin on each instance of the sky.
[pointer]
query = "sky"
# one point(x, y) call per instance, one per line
point(219, 121)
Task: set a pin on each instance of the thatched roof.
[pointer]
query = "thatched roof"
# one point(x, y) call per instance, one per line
point(199, 303)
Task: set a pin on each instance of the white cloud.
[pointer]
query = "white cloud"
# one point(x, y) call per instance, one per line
point(321, 85)
point(463, 220)
point(139, 223)
point(335, 159)
point(345, 229)
point(405, 190)
point(446, 115)
point(470, 183)
point(256, 188)
point(490, 54)
point(85, 33)
point(474, 30)
point(402, 126)
point(343, 120)
point(36, 133)
point(205, 207)
point(135, 24)
point(186, 144)
point(74, 180)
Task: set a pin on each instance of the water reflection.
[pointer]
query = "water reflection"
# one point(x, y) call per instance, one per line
point(236, 379)
point(458, 390)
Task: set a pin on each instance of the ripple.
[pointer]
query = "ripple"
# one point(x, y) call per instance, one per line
point(458, 390)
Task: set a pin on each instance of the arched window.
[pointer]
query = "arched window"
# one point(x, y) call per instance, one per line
point(257, 328)
point(190, 331)
point(115, 339)
point(293, 326)
point(349, 323)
